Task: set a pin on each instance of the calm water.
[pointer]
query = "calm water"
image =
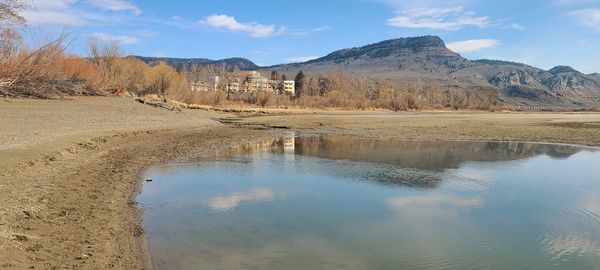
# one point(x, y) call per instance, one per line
point(342, 203)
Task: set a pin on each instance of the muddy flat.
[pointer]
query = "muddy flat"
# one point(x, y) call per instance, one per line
point(70, 169)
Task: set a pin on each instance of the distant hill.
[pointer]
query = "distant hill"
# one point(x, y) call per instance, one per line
point(240, 63)
point(427, 61)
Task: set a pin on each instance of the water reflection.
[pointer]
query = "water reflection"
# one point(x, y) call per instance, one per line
point(433, 202)
point(231, 201)
point(339, 202)
point(427, 155)
point(563, 248)
point(414, 163)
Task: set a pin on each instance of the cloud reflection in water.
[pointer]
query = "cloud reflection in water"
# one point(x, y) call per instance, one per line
point(230, 202)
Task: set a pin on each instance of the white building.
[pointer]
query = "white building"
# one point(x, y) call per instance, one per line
point(209, 84)
point(289, 87)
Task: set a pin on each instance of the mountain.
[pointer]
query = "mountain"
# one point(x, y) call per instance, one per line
point(424, 59)
point(427, 61)
point(240, 63)
point(562, 69)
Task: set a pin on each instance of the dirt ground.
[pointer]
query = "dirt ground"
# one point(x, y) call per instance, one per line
point(570, 128)
point(70, 170)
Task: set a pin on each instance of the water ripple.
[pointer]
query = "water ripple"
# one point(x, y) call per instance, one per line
point(565, 247)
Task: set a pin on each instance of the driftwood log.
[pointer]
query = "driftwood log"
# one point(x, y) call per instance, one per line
point(158, 104)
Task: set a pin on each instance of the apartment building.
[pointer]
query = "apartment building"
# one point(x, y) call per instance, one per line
point(252, 82)
point(289, 87)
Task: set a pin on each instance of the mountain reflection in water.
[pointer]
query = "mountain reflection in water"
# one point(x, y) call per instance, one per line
point(419, 164)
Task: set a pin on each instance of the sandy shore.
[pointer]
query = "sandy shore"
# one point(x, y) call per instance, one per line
point(69, 170)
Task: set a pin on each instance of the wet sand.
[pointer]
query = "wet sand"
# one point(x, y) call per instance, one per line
point(70, 170)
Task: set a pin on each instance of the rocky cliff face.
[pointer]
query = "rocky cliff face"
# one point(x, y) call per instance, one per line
point(567, 81)
point(560, 85)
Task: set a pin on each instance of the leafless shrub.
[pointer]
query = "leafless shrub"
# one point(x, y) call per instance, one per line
point(262, 98)
point(10, 42)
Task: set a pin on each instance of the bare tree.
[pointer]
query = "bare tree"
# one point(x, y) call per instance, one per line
point(105, 55)
point(195, 74)
point(10, 12)
point(10, 19)
point(10, 41)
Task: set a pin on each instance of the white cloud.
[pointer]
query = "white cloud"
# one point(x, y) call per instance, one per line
point(52, 17)
point(115, 5)
point(301, 33)
point(517, 26)
point(53, 12)
point(321, 28)
point(123, 39)
point(300, 59)
point(253, 28)
point(472, 45)
point(452, 18)
point(146, 33)
point(52, 4)
point(588, 17)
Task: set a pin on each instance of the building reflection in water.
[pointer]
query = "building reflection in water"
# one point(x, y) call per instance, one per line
point(289, 146)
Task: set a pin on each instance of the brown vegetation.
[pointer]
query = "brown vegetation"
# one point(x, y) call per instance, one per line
point(345, 91)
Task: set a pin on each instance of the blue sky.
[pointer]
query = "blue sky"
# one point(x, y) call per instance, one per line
point(543, 33)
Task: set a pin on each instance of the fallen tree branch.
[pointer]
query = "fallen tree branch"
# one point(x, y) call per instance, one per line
point(157, 104)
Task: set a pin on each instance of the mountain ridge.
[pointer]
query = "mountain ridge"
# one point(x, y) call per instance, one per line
point(233, 62)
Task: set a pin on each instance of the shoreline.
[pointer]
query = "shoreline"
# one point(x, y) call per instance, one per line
point(70, 173)
point(146, 261)
point(70, 195)
point(97, 224)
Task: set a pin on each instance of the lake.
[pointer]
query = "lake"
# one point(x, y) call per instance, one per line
point(334, 202)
